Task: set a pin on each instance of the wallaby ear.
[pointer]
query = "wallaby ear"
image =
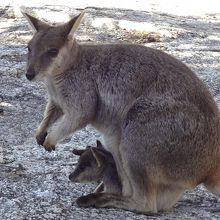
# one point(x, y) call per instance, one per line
point(35, 23)
point(98, 155)
point(78, 152)
point(99, 144)
point(71, 26)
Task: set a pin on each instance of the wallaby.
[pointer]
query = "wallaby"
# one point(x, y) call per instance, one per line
point(96, 164)
point(158, 119)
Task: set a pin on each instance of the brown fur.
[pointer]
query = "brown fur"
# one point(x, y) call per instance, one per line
point(157, 118)
point(212, 182)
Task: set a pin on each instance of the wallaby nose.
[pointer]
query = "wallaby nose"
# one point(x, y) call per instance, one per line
point(72, 177)
point(30, 73)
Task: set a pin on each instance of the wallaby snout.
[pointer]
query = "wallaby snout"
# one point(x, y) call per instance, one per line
point(30, 73)
point(73, 177)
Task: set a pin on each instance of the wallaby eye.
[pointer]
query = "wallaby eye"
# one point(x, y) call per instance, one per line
point(52, 52)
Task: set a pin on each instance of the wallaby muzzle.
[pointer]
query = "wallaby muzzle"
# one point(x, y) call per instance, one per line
point(72, 177)
point(30, 73)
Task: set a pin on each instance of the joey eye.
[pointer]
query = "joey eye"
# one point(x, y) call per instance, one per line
point(82, 167)
point(52, 52)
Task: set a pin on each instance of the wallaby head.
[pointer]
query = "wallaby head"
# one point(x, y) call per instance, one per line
point(91, 164)
point(50, 47)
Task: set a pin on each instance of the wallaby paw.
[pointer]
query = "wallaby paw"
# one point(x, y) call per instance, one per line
point(85, 201)
point(48, 145)
point(40, 138)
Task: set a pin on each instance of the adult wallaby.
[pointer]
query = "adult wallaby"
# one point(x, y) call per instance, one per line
point(157, 118)
point(96, 164)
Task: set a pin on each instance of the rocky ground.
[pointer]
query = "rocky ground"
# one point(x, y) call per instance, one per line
point(34, 183)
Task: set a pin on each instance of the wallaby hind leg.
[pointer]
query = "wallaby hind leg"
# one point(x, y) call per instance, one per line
point(101, 200)
point(143, 189)
point(213, 182)
point(145, 175)
point(167, 196)
point(148, 188)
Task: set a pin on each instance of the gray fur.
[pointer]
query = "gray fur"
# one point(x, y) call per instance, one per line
point(157, 118)
point(97, 165)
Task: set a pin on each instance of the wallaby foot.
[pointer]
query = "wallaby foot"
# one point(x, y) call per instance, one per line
point(213, 182)
point(100, 200)
point(166, 197)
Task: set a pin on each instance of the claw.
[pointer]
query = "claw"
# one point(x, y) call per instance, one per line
point(48, 149)
point(41, 138)
point(48, 145)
